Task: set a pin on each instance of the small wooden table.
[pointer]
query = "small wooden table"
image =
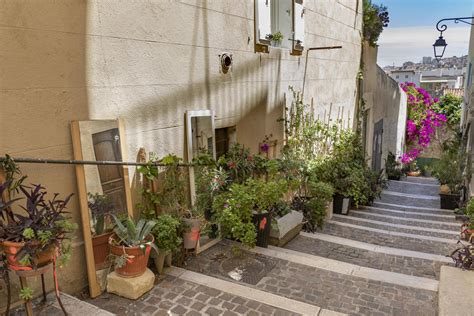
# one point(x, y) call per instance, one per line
point(23, 275)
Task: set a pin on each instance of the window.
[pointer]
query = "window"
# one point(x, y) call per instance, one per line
point(279, 17)
point(406, 76)
point(397, 76)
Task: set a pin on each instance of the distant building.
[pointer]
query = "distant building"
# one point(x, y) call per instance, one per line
point(426, 60)
point(437, 80)
point(408, 64)
point(406, 75)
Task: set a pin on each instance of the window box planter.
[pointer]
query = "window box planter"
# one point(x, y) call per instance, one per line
point(449, 201)
point(341, 204)
point(137, 258)
point(263, 224)
point(286, 228)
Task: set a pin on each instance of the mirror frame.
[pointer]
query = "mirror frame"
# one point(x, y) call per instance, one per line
point(189, 140)
point(94, 287)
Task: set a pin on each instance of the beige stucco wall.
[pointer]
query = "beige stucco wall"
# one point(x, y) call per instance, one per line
point(147, 62)
point(386, 101)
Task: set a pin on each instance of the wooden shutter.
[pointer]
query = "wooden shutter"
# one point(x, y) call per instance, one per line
point(298, 27)
point(262, 26)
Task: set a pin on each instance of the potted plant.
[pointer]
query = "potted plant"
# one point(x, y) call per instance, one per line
point(275, 38)
point(167, 240)
point(40, 234)
point(467, 228)
point(314, 208)
point(131, 245)
point(427, 170)
point(449, 171)
point(101, 207)
point(393, 167)
point(413, 170)
point(376, 183)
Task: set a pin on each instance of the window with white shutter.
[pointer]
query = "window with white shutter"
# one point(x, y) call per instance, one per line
point(279, 23)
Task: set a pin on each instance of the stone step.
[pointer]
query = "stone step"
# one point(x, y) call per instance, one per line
point(413, 208)
point(436, 234)
point(325, 247)
point(413, 188)
point(329, 284)
point(383, 237)
point(409, 200)
point(434, 216)
point(423, 180)
point(368, 214)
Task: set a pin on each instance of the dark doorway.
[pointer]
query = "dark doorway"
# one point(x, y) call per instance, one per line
point(377, 146)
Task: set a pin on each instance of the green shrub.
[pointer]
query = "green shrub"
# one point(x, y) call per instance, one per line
point(165, 232)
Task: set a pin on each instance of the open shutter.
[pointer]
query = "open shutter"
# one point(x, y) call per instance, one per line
point(262, 25)
point(298, 27)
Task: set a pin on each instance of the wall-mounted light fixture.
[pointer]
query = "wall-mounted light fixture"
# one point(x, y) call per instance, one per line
point(440, 44)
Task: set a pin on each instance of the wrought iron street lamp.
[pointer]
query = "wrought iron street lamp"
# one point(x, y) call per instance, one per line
point(440, 44)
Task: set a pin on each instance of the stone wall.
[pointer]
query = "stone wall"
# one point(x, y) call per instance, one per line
point(147, 62)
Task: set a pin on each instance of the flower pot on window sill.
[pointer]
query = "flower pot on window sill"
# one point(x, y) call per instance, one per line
point(449, 201)
point(263, 224)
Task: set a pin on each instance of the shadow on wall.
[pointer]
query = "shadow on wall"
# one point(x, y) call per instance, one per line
point(43, 88)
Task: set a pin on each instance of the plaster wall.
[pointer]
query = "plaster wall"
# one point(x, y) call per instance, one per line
point(384, 101)
point(149, 61)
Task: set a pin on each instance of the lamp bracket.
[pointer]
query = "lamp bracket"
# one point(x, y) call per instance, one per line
point(442, 27)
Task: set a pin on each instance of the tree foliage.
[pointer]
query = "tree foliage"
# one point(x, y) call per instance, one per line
point(375, 19)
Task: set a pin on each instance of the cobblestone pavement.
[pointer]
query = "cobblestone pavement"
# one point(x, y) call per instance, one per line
point(368, 214)
point(173, 296)
point(330, 290)
point(397, 229)
point(406, 265)
point(407, 243)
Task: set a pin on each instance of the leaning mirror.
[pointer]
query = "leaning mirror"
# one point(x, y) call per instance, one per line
point(201, 149)
point(103, 189)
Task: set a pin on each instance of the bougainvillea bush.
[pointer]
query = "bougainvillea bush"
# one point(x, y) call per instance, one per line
point(422, 121)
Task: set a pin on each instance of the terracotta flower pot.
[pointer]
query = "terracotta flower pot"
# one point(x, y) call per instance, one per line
point(11, 249)
point(466, 233)
point(414, 173)
point(137, 259)
point(100, 245)
point(192, 235)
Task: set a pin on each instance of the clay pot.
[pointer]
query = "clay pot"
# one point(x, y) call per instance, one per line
point(160, 259)
point(137, 260)
point(192, 234)
point(40, 259)
point(100, 245)
point(414, 173)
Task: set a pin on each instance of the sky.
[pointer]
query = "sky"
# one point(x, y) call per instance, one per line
point(412, 29)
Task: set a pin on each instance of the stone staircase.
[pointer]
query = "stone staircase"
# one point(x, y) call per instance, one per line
point(378, 260)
